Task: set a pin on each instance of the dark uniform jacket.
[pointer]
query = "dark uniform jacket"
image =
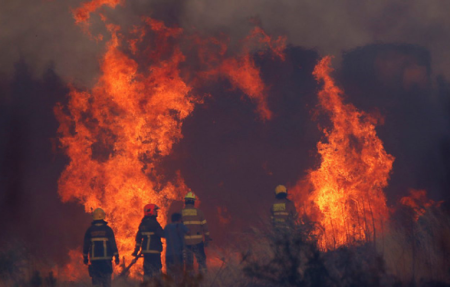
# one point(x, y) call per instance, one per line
point(149, 236)
point(283, 212)
point(174, 233)
point(195, 221)
point(99, 241)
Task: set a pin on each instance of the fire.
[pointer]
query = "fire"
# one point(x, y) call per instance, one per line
point(83, 13)
point(241, 70)
point(347, 188)
point(224, 216)
point(243, 73)
point(117, 133)
point(73, 271)
point(419, 202)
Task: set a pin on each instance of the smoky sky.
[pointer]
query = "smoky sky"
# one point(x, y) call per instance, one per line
point(331, 27)
point(390, 57)
point(31, 212)
point(44, 30)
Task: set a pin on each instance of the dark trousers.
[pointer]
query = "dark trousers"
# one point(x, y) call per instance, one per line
point(199, 251)
point(174, 263)
point(152, 265)
point(100, 272)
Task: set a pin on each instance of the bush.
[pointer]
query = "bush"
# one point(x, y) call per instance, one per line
point(13, 263)
point(287, 257)
point(418, 250)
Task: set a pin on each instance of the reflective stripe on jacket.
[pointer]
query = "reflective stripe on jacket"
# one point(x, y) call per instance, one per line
point(149, 236)
point(195, 221)
point(99, 242)
point(283, 213)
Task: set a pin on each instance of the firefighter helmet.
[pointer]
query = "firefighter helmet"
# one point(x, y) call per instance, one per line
point(150, 209)
point(190, 196)
point(98, 214)
point(280, 189)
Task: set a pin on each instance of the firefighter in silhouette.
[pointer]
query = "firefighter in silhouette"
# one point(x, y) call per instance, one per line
point(198, 236)
point(175, 246)
point(283, 211)
point(148, 240)
point(100, 247)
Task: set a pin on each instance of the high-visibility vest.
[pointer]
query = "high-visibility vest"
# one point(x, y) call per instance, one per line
point(99, 242)
point(195, 221)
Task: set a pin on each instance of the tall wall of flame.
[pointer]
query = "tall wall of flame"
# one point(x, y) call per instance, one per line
point(115, 134)
point(347, 188)
point(227, 155)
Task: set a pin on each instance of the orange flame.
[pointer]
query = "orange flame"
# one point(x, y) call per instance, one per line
point(419, 202)
point(83, 13)
point(73, 271)
point(224, 216)
point(242, 71)
point(347, 188)
point(117, 133)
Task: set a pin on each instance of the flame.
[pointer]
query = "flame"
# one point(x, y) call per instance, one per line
point(243, 73)
point(75, 270)
point(215, 262)
point(223, 215)
point(347, 188)
point(419, 202)
point(241, 70)
point(117, 133)
point(83, 13)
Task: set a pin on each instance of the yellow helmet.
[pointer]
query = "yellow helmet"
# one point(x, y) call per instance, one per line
point(280, 189)
point(98, 214)
point(190, 196)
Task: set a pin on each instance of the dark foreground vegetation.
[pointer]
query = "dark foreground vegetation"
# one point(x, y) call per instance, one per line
point(413, 252)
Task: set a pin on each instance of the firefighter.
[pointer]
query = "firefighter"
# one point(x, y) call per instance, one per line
point(100, 246)
point(283, 211)
point(148, 240)
point(175, 245)
point(198, 236)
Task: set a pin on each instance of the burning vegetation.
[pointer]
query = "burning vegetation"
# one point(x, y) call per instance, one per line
point(118, 135)
point(348, 186)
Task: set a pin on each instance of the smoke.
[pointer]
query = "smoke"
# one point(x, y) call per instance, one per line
point(335, 26)
point(397, 80)
point(233, 160)
point(228, 156)
point(43, 31)
point(31, 212)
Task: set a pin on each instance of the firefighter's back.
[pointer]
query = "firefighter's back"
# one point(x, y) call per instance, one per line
point(194, 219)
point(100, 247)
point(198, 236)
point(150, 231)
point(148, 240)
point(283, 211)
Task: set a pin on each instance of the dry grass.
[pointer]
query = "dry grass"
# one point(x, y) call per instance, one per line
point(418, 251)
point(411, 253)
